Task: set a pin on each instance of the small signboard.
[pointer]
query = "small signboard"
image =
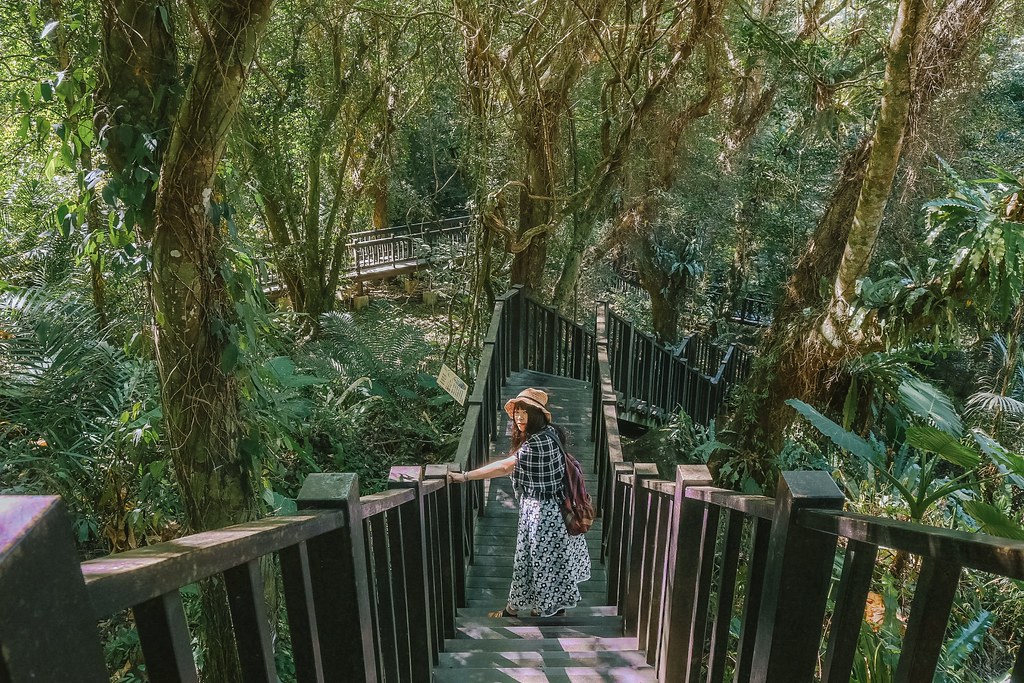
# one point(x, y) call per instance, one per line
point(451, 383)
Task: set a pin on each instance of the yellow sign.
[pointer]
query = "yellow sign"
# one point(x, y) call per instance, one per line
point(451, 383)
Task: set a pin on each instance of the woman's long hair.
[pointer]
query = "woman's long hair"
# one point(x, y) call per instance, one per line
point(535, 422)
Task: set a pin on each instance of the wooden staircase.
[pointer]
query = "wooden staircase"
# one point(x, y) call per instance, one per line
point(585, 645)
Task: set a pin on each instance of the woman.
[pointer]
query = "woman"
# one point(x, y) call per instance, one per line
point(548, 563)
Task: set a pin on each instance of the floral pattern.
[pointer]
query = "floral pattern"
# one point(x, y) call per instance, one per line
point(549, 563)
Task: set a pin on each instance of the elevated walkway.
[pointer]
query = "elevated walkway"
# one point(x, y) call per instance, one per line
point(585, 645)
point(690, 582)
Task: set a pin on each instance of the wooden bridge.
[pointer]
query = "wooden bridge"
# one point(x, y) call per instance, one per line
point(690, 583)
point(390, 252)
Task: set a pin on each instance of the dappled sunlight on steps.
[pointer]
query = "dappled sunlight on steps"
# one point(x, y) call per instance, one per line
point(587, 644)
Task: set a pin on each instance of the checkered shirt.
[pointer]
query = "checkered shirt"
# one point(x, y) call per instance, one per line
point(540, 467)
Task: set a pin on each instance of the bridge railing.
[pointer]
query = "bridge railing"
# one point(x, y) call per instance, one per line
point(651, 378)
point(400, 246)
point(686, 562)
point(370, 586)
point(692, 560)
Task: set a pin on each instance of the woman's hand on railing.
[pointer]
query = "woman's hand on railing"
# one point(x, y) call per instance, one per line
point(457, 478)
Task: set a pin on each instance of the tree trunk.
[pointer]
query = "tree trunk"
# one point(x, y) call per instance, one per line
point(138, 76)
point(202, 421)
point(795, 358)
point(537, 194)
point(886, 149)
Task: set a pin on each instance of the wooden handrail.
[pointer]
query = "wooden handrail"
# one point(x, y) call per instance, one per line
point(971, 550)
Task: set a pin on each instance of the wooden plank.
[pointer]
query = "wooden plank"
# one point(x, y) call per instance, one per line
point(165, 639)
point(970, 550)
point(246, 601)
point(117, 582)
point(858, 566)
point(929, 615)
point(760, 536)
point(424, 653)
point(681, 567)
point(337, 572)
point(387, 639)
point(796, 581)
point(396, 562)
point(298, 597)
point(726, 591)
point(637, 548)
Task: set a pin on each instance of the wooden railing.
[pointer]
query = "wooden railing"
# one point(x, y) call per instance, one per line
point(397, 246)
point(370, 584)
point(655, 380)
point(686, 560)
point(687, 551)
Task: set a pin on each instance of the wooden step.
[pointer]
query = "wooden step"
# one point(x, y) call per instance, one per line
point(492, 632)
point(598, 611)
point(501, 583)
point(546, 675)
point(480, 660)
point(504, 571)
point(590, 644)
point(570, 618)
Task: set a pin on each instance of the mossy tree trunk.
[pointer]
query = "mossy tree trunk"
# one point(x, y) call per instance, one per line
point(801, 355)
point(202, 422)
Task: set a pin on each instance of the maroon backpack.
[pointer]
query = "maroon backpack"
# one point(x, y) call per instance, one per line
point(577, 508)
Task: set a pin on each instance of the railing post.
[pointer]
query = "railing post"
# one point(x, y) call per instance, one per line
point(445, 549)
point(638, 523)
point(517, 324)
point(47, 631)
point(615, 530)
point(684, 560)
point(424, 649)
point(461, 536)
point(337, 568)
point(796, 581)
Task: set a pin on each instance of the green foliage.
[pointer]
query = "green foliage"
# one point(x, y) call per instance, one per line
point(81, 419)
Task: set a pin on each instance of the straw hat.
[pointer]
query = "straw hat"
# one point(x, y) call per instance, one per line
point(531, 397)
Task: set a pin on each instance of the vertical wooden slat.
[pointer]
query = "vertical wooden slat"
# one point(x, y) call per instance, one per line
point(848, 616)
point(929, 615)
point(446, 550)
point(726, 591)
point(248, 606)
point(638, 523)
point(39, 566)
point(424, 653)
point(461, 537)
point(683, 569)
point(650, 545)
point(614, 524)
point(702, 593)
point(298, 597)
point(399, 589)
point(659, 581)
point(761, 530)
point(166, 642)
point(796, 581)
point(387, 637)
point(337, 560)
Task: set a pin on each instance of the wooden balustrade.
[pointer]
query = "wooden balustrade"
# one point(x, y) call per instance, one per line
point(370, 585)
point(396, 247)
point(687, 550)
point(653, 380)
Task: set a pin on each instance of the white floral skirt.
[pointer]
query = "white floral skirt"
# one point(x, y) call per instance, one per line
point(549, 563)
